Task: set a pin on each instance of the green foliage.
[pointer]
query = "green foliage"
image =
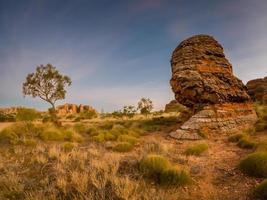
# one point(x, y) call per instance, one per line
point(68, 146)
point(123, 147)
point(80, 128)
point(261, 110)
point(145, 105)
point(99, 138)
point(129, 111)
point(246, 143)
point(260, 192)
point(52, 134)
point(255, 164)
point(71, 136)
point(128, 138)
point(17, 132)
point(159, 169)
point(236, 137)
point(30, 143)
point(262, 145)
point(197, 149)
point(152, 166)
point(7, 117)
point(47, 84)
point(88, 114)
point(27, 114)
point(158, 123)
point(175, 175)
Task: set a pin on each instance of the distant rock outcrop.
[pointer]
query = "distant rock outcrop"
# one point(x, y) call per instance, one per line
point(203, 80)
point(68, 109)
point(257, 89)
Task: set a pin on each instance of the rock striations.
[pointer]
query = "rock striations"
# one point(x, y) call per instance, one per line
point(257, 89)
point(203, 80)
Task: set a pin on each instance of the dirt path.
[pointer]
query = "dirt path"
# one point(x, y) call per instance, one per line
point(4, 125)
point(215, 173)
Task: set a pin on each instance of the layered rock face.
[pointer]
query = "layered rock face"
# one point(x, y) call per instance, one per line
point(257, 89)
point(203, 80)
point(68, 109)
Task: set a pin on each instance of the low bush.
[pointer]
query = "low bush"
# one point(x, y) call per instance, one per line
point(197, 149)
point(128, 138)
point(30, 143)
point(27, 114)
point(52, 134)
point(99, 138)
point(123, 147)
point(175, 175)
point(71, 136)
point(68, 146)
point(152, 166)
point(236, 137)
point(255, 164)
point(246, 143)
point(79, 128)
point(92, 131)
point(18, 132)
point(261, 125)
point(260, 192)
point(262, 145)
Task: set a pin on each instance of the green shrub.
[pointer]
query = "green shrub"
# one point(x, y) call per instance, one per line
point(260, 192)
point(46, 118)
point(261, 125)
point(109, 136)
point(18, 132)
point(152, 166)
point(246, 143)
point(68, 146)
point(197, 149)
point(99, 138)
point(79, 128)
point(30, 143)
point(8, 136)
point(92, 131)
point(27, 114)
point(123, 147)
point(128, 138)
point(52, 134)
point(262, 146)
point(175, 175)
point(71, 136)
point(255, 164)
point(236, 137)
point(88, 114)
point(77, 119)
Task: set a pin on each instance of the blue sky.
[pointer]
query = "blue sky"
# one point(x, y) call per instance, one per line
point(117, 51)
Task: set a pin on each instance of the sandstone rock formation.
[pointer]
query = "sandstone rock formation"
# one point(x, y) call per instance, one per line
point(69, 109)
point(203, 80)
point(257, 89)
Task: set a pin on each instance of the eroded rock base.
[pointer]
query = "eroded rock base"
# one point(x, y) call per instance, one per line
point(224, 118)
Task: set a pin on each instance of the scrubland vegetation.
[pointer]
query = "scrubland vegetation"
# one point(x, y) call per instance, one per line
point(114, 157)
point(106, 157)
